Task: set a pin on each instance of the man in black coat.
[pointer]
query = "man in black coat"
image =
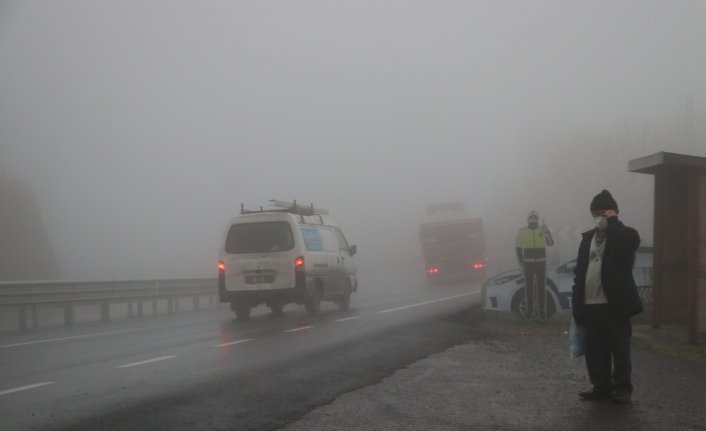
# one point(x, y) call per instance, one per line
point(604, 298)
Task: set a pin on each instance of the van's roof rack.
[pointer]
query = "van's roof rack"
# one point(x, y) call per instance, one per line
point(288, 207)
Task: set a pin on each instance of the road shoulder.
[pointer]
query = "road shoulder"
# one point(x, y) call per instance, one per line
point(513, 375)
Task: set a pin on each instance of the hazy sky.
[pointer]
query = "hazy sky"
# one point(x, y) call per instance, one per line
point(142, 125)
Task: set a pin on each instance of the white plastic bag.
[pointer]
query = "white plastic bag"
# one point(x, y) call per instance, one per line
point(577, 340)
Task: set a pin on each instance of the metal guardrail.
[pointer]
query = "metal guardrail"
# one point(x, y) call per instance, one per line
point(30, 296)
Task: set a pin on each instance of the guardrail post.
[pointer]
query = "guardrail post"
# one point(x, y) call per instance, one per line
point(196, 302)
point(170, 305)
point(154, 307)
point(23, 317)
point(105, 311)
point(129, 309)
point(69, 314)
point(139, 308)
point(35, 316)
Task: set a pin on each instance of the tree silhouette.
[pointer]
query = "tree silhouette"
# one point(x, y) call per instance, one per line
point(25, 250)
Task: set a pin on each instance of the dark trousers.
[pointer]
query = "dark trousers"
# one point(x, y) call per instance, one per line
point(607, 348)
point(535, 273)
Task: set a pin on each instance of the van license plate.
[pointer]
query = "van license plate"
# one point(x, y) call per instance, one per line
point(256, 279)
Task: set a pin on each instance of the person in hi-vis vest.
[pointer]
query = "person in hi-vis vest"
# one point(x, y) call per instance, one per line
point(531, 245)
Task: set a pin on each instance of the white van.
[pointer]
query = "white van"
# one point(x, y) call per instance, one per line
point(285, 255)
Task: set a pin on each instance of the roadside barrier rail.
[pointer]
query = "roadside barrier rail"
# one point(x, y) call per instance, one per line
point(29, 297)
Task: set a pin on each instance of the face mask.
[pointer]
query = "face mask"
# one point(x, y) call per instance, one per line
point(601, 222)
point(532, 225)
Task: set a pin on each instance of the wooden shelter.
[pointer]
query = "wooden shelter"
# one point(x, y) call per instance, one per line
point(679, 294)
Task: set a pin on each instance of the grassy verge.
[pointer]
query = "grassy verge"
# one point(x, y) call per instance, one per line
point(665, 342)
point(668, 341)
point(511, 323)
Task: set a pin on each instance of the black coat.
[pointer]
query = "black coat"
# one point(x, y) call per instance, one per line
point(616, 271)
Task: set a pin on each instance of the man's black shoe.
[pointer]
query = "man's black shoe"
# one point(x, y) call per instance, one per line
point(594, 395)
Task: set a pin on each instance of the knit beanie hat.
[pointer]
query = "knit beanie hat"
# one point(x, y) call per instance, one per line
point(604, 201)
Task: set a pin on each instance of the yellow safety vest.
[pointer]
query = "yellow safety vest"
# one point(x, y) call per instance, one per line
point(530, 238)
point(531, 245)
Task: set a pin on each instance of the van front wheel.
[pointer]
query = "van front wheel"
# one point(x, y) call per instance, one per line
point(313, 302)
point(344, 302)
point(276, 308)
point(242, 310)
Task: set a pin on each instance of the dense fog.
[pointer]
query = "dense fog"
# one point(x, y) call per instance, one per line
point(141, 126)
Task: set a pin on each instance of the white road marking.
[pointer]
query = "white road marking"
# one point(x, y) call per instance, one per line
point(301, 328)
point(72, 337)
point(148, 361)
point(245, 340)
point(24, 388)
point(428, 302)
point(347, 318)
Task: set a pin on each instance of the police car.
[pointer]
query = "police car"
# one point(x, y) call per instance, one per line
point(505, 291)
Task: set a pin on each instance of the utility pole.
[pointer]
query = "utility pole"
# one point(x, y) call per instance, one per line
point(690, 139)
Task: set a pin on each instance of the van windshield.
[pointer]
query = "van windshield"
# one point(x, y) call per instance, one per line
point(264, 237)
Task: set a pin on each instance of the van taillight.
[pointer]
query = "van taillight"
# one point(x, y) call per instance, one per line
point(299, 262)
point(221, 275)
point(479, 265)
point(299, 274)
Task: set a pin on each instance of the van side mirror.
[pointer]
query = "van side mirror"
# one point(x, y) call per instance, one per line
point(353, 250)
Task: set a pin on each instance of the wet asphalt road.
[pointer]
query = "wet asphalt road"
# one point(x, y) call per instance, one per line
point(204, 370)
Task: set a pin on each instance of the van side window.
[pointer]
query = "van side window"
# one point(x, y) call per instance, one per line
point(342, 243)
point(312, 239)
